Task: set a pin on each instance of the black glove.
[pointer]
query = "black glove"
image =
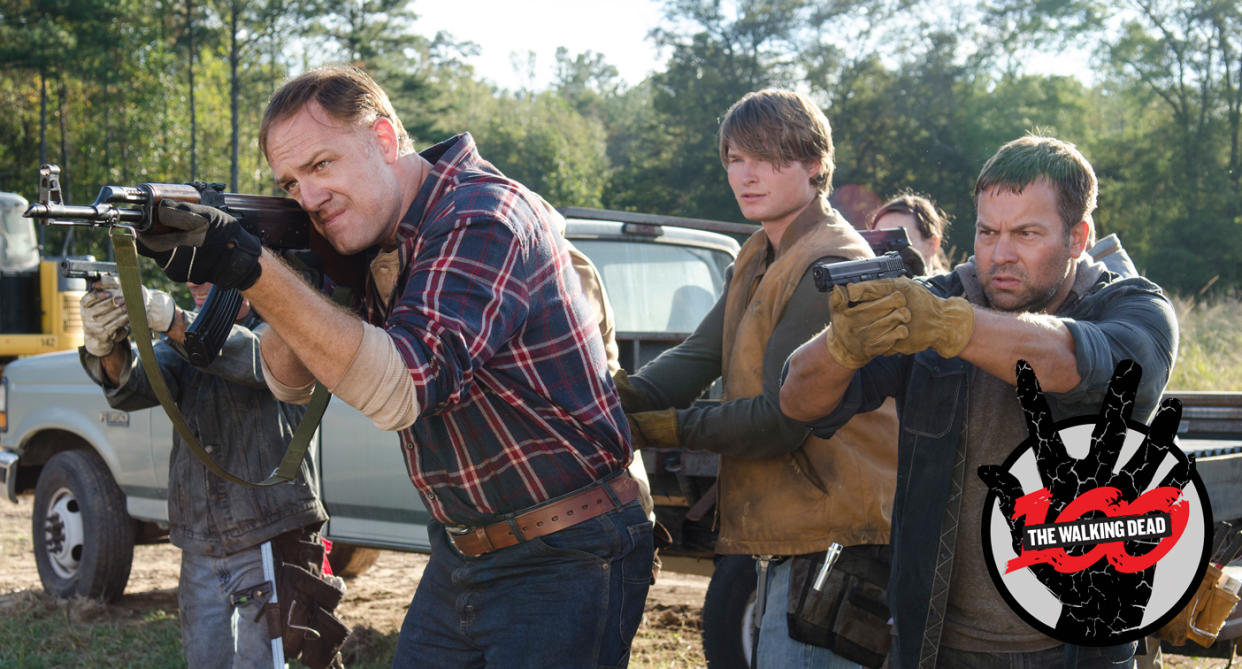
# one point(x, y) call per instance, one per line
point(205, 245)
point(915, 262)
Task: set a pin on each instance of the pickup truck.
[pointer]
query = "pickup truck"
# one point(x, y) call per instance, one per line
point(100, 475)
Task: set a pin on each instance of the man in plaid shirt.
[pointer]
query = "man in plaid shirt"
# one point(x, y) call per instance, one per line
point(475, 342)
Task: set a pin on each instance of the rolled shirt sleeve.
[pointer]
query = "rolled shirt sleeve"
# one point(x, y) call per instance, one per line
point(1138, 324)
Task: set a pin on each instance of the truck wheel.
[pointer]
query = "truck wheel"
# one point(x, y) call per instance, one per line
point(729, 625)
point(348, 560)
point(83, 537)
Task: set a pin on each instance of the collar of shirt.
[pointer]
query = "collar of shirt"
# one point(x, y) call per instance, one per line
point(448, 160)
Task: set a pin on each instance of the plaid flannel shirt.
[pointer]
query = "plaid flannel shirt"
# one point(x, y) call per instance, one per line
point(488, 315)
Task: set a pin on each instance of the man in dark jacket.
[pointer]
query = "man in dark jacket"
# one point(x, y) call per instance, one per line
point(949, 356)
point(218, 525)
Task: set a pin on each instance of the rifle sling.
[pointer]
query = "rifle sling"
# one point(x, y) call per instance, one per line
point(131, 287)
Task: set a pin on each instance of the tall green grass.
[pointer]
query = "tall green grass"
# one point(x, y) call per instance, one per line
point(1209, 355)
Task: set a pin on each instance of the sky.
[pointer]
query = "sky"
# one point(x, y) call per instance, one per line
point(615, 28)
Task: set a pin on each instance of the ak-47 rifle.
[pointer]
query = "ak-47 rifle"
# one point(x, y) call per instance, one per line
point(278, 222)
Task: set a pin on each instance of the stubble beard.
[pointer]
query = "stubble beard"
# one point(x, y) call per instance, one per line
point(1031, 299)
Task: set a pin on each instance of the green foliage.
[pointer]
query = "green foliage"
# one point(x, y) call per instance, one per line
point(543, 143)
point(919, 95)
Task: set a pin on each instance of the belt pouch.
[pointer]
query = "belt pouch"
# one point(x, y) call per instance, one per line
point(849, 616)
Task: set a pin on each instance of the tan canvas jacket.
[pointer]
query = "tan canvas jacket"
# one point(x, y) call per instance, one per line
point(838, 489)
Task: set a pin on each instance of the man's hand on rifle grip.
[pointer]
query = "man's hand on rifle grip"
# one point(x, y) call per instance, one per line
point(205, 246)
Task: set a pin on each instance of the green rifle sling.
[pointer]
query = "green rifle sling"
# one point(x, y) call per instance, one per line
point(131, 287)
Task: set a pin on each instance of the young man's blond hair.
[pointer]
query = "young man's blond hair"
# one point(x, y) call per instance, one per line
point(780, 127)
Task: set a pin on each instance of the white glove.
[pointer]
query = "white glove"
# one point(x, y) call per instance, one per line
point(103, 318)
point(160, 309)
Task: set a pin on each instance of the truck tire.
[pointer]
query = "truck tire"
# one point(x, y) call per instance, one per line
point(348, 560)
point(729, 625)
point(83, 536)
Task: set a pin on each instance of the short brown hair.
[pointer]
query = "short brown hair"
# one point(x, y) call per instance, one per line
point(780, 127)
point(346, 93)
point(1028, 159)
point(930, 220)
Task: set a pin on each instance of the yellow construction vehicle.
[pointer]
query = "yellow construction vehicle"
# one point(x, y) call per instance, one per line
point(38, 307)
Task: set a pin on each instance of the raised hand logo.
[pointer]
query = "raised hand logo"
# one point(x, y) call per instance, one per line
point(1092, 509)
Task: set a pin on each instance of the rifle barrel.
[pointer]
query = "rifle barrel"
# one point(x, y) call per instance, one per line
point(92, 215)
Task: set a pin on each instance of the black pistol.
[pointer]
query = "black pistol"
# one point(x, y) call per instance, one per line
point(887, 266)
point(91, 270)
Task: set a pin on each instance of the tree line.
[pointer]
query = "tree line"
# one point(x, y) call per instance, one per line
point(919, 94)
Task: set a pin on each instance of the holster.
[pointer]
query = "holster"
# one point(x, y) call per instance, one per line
point(660, 538)
point(849, 616)
point(311, 632)
point(1200, 621)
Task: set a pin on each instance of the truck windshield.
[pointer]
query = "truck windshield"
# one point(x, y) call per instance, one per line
point(657, 287)
point(19, 249)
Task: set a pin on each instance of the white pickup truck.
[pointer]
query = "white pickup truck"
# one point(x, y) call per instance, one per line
point(100, 476)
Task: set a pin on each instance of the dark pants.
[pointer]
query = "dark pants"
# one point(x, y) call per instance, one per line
point(1108, 657)
point(573, 598)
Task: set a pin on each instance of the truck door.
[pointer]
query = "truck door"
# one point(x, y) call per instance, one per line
point(365, 488)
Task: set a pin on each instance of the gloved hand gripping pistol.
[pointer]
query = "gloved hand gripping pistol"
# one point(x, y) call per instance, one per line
point(894, 258)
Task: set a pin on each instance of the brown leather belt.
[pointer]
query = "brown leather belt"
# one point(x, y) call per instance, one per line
point(545, 519)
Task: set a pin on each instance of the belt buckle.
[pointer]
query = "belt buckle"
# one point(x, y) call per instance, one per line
point(458, 533)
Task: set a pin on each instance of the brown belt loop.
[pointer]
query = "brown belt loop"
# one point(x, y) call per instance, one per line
point(612, 494)
point(546, 518)
point(517, 531)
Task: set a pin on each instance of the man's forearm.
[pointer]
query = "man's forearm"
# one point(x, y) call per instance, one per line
point(280, 361)
point(114, 363)
point(814, 383)
point(315, 335)
point(1001, 340)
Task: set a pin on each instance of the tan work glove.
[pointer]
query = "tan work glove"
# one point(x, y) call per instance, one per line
point(160, 309)
point(943, 324)
point(104, 320)
point(863, 329)
point(654, 429)
point(632, 399)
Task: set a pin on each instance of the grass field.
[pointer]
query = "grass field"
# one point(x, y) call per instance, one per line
point(1209, 355)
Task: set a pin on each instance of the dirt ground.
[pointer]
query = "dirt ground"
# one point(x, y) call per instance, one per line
point(376, 600)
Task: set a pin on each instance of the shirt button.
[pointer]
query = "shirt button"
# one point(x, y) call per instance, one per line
point(209, 449)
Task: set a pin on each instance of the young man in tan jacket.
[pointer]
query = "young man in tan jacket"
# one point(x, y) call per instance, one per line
point(782, 492)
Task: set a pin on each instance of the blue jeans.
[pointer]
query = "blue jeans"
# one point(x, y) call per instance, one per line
point(776, 649)
point(1108, 657)
point(573, 598)
point(214, 634)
